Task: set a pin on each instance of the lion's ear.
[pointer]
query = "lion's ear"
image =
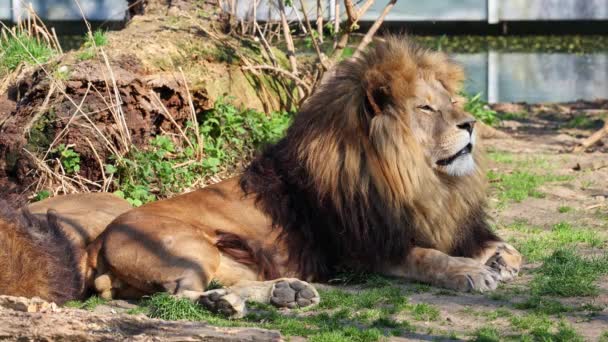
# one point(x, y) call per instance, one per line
point(376, 99)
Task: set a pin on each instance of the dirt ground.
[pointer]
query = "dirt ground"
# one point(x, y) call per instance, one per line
point(542, 197)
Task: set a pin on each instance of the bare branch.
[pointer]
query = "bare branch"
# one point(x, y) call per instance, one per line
point(372, 30)
point(291, 50)
point(265, 44)
point(320, 54)
point(291, 54)
point(336, 22)
point(353, 16)
point(320, 20)
point(283, 72)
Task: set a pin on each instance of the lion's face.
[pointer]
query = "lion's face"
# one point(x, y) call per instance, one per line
point(445, 131)
point(418, 89)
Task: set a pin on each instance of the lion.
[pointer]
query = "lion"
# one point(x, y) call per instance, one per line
point(380, 171)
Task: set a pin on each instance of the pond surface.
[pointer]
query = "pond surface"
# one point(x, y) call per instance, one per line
point(536, 77)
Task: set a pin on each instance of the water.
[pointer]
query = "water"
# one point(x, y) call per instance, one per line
point(536, 77)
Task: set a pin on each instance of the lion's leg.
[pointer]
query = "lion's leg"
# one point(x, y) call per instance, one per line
point(502, 257)
point(143, 255)
point(437, 268)
point(129, 269)
point(282, 292)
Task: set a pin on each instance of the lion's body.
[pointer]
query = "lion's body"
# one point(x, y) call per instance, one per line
point(378, 172)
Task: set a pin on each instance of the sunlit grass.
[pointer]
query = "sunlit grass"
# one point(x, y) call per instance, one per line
point(22, 48)
point(567, 274)
point(538, 243)
point(519, 185)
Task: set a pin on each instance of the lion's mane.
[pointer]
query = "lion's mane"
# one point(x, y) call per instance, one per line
point(349, 184)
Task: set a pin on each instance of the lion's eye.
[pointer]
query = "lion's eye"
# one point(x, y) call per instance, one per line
point(426, 108)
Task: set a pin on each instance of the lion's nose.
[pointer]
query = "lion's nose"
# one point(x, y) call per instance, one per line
point(468, 125)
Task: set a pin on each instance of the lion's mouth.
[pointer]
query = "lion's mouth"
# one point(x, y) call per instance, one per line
point(447, 161)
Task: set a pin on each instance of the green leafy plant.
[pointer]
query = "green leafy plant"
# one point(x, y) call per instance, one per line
point(480, 110)
point(308, 40)
point(169, 165)
point(70, 160)
point(44, 194)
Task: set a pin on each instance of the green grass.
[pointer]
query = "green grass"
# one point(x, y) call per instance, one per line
point(486, 334)
point(538, 244)
point(518, 161)
point(389, 297)
point(167, 166)
point(501, 157)
point(425, 312)
point(582, 122)
point(520, 185)
point(138, 311)
point(96, 39)
point(90, 304)
point(564, 209)
point(22, 49)
point(342, 317)
point(542, 305)
point(538, 327)
point(567, 274)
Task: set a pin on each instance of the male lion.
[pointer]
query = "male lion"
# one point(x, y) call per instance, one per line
point(378, 172)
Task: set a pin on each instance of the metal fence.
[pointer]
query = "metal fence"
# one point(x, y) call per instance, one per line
point(491, 11)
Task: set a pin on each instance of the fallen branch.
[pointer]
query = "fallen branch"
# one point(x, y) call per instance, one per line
point(593, 139)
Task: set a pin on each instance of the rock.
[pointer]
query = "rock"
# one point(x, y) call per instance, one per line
point(27, 304)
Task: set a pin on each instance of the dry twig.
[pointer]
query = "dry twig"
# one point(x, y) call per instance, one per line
point(282, 72)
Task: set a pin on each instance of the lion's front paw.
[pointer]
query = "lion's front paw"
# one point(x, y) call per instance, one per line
point(506, 261)
point(471, 275)
point(223, 301)
point(293, 293)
